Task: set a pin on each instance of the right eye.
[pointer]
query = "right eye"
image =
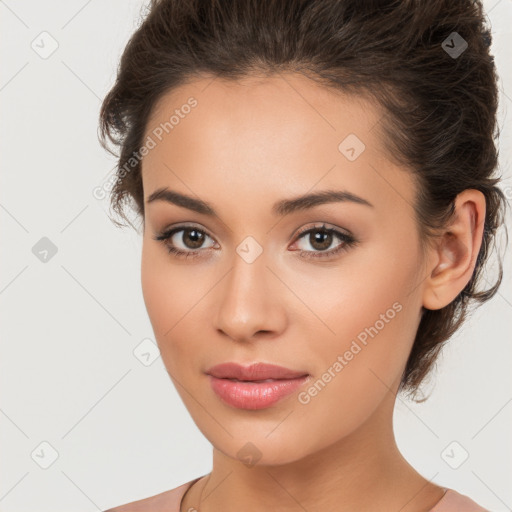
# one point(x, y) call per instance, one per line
point(191, 239)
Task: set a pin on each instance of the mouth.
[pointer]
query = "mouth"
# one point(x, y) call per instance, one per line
point(258, 386)
point(254, 381)
point(254, 394)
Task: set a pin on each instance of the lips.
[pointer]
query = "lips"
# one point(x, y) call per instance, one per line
point(257, 372)
point(257, 386)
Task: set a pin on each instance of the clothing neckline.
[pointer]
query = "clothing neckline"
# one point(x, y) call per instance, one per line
point(441, 500)
point(190, 484)
point(435, 508)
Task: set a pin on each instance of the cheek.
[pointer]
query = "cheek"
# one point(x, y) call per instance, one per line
point(164, 290)
point(372, 318)
point(359, 371)
point(372, 296)
point(172, 295)
point(153, 287)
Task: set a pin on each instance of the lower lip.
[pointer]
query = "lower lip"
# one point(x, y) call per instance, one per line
point(254, 395)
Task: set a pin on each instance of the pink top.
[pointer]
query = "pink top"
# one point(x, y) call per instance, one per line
point(170, 501)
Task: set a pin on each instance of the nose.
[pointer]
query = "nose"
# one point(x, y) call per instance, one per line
point(249, 301)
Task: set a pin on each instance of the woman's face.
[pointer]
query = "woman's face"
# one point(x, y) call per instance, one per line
point(254, 287)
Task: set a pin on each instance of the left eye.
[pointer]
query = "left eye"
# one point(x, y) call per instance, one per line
point(321, 238)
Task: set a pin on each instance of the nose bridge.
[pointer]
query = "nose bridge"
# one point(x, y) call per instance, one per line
point(246, 304)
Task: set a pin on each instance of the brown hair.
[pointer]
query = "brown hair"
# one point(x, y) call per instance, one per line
point(440, 107)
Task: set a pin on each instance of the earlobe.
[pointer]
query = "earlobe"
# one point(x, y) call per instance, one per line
point(456, 251)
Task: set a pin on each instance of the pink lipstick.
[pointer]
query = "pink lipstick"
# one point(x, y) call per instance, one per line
point(257, 386)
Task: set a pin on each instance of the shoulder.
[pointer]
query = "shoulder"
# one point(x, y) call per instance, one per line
point(168, 501)
point(452, 501)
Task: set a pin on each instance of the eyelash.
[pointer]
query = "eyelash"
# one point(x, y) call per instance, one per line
point(348, 241)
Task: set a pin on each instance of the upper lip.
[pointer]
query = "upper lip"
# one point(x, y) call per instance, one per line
point(256, 371)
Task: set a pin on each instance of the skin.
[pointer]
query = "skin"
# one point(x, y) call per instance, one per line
point(246, 145)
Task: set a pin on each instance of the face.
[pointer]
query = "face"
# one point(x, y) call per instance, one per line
point(328, 289)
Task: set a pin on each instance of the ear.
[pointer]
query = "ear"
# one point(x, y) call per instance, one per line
point(452, 260)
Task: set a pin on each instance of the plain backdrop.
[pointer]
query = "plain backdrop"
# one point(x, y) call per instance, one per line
point(85, 425)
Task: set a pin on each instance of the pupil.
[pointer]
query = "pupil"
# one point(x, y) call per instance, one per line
point(196, 236)
point(322, 235)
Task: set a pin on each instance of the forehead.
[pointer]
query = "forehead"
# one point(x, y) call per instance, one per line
point(254, 106)
point(256, 135)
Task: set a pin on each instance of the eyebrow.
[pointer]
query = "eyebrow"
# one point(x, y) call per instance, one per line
point(280, 208)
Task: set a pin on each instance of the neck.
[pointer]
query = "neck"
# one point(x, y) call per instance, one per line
point(362, 471)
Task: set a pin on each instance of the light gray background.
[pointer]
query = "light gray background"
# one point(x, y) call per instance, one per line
point(69, 376)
